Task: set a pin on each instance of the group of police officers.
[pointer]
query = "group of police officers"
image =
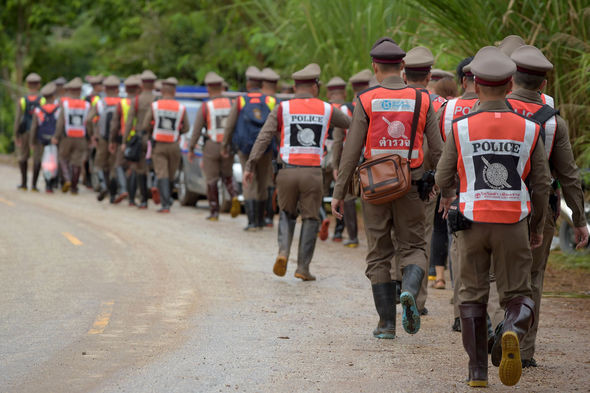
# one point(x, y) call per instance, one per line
point(498, 157)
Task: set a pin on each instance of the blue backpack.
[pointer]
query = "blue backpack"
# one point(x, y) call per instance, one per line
point(46, 128)
point(253, 114)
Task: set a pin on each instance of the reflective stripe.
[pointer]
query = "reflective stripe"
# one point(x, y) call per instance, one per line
point(125, 106)
point(548, 100)
point(449, 115)
point(467, 157)
point(550, 129)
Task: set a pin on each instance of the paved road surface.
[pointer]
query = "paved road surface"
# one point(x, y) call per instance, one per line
point(105, 298)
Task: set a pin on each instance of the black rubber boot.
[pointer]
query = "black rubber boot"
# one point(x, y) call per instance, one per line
point(384, 297)
point(285, 239)
point(132, 188)
point(165, 198)
point(491, 335)
point(113, 190)
point(102, 184)
point(250, 206)
point(269, 211)
point(36, 171)
point(76, 170)
point(213, 198)
point(350, 221)
point(260, 209)
point(338, 229)
point(398, 291)
point(23, 175)
point(474, 334)
point(122, 183)
point(307, 240)
point(412, 276)
point(143, 190)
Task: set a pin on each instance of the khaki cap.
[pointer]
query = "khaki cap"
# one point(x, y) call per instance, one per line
point(361, 77)
point(309, 73)
point(531, 60)
point(467, 70)
point(48, 89)
point(33, 78)
point(111, 81)
point(172, 81)
point(75, 83)
point(491, 67)
point(510, 43)
point(419, 58)
point(60, 81)
point(269, 75)
point(437, 74)
point(158, 84)
point(253, 73)
point(336, 83)
point(148, 75)
point(386, 50)
point(94, 79)
point(213, 79)
point(132, 80)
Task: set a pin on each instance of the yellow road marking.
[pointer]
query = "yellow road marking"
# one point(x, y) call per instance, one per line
point(73, 239)
point(102, 320)
point(6, 202)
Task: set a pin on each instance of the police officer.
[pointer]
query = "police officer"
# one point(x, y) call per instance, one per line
point(246, 117)
point(59, 84)
point(42, 130)
point(120, 116)
point(101, 114)
point(140, 106)
point(436, 74)
point(405, 217)
point(71, 134)
point(25, 108)
point(96, 81)
point(270, 80)
point(337, 97)
point(301, 125)
point(525, 99)
point(165, 121)
point(360, 81)
point(494, 150)
point(212, 117)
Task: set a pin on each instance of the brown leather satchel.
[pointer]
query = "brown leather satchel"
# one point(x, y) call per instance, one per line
point(387, 177)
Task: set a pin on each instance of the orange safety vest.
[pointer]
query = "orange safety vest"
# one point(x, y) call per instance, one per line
point(75, 113)
point(528, 109)
point(437, 102)
point(390, 113)
point(495, 151)
point(548, 100)
point(216, 112)
point(454, 109)
point(344, 109)
point(168, 117)
point(48, 109)
point(304, 128)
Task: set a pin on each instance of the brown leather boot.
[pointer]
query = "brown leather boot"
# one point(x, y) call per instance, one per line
point(213, 197)
point(76, 170)
point(23, 175)
point(235, 209)
point(475, 338)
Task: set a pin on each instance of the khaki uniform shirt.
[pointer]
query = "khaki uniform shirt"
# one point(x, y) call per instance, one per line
point(562, 163)
point(539, 180)
point(144, 105)
point(357, 136)
point(271, 129)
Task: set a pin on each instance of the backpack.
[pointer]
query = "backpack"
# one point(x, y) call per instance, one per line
point(47, 126)
point(28, 106)
point(250, 120)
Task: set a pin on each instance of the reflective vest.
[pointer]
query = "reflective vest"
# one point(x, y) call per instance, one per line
point(254, 98)
point(28, 105)
point(528, 109)
point(390, 113)
point(216, 112)
point(548, 100)
point(75, 113)
point(346, 110)
point(124, 106)
point(168, 118)
point(454, 109)
point(437, 101)
point(106, 108)
point(494, 150)
point(304, 128)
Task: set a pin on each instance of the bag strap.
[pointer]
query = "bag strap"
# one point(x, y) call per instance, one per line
point(544, 114)
point(417, 107)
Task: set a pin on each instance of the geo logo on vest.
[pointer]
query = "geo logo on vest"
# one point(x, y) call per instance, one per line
point(392, 105)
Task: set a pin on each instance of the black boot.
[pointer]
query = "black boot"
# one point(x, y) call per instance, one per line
point(474, 334)
point(103, 190)
point(23, 175)
point(143, 190)
point(269, 211)
point(113, 190)
point(307, 239)
point(166, 200)
point(384, 297)
point(285, 238)
point(122, 183)
point(338, 229)
point(412, 276)
point(213, 197)
point(398, 291)
point(351, 223)
point(491, 336)
point(76, 170)
point(260, 208)
point(132, 188)
point(36, 171)
point(518, 318)
point(66, 174)
point(250, 205)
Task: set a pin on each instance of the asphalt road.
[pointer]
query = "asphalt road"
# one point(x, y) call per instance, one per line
point(105, 298)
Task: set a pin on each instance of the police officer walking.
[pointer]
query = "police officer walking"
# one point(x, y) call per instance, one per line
point(166, 120)
point(212, 116)
point(42, 130)
point(301, 125)
point(493, 151)
point(382, 125)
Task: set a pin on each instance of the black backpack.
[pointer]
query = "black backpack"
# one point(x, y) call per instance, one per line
point(29, 110)
point(46, 128)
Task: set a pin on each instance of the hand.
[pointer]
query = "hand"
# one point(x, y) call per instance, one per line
point(536, 240)
point(581, 237)
point(445, 205)
point(224, 152)
point(335, 174)
point(54, 141)
point(248, 177)
point(112, 148)
point(190, 156)
point(337, 208)
point(433, 192)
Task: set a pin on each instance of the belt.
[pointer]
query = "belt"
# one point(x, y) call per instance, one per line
point(287, 166)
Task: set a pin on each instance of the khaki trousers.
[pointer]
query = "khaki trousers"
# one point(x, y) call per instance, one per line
point(257, 190)
point(400, 222)
point(23, 152)
point(214, 165)
point(104, 159)
point(73, 150)
point(166, 158)
point(300, 189)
